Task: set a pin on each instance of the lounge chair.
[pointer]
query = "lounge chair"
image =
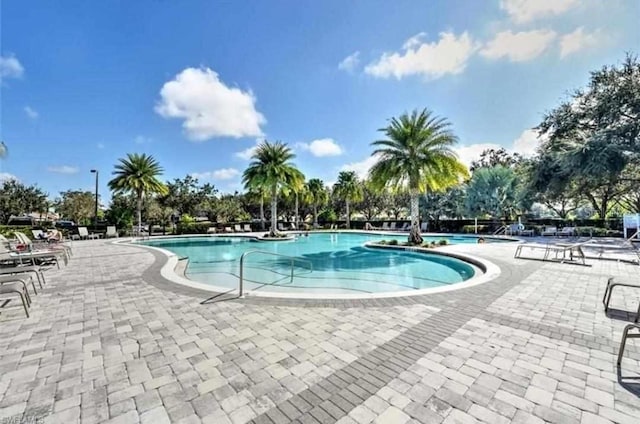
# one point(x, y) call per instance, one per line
point(246, 228)
point(34, 257)
point(228, 229)
point(613, 282)
point(385, 226)
point(513, 229)
point(423, 227)
point(237, 228)
point(19, 270)
point(212, 230)
point(84, 234)
point(392, 226)
point(111, 232)
point(281, 227)
point(52, 248)
point(11, 288)
point(561, 252)
point(405, 227)
point(550, 231)
point(21, 279)
point(567, 231)
point(625, 336)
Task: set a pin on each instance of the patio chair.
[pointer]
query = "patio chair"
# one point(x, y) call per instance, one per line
point(111, 232)
point(18, 270)
point(405, 227)
point(385, 226)
point(212, 230)
point(237, 228)
point(550, 231)
point(423, 227)
point(613, 282)
point(21, 279)
point(562, 252)
point(34, 257)
point(281, 227)
point(567, 231)
point(31, 247)
point(228, 229)
point(392, 226)
point(8, 289)
point(246, 228)
point(625, 336)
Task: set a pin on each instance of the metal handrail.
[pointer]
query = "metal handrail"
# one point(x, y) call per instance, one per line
point(502, 229)
point(264, 252)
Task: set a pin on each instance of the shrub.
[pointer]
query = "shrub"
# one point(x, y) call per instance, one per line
point(393, 242)
point(470, 229)
point(443, 242)
point(192, 228)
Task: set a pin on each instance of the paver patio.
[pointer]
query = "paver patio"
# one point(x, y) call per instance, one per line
point(110, 341)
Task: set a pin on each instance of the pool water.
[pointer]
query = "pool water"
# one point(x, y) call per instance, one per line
point(335, 263)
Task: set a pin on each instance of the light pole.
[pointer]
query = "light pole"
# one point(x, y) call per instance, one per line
point(95, 216)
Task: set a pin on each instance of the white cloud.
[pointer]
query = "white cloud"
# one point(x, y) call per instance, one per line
point(350, 63)
point(247, 153)
point(64, 169)
point(5, 176)
point(525, 145)
point(519, 47)
point(522, 11)
point(209, 107)
point(360, 168)
point(468, 154)
point(448, 55)
point(578, 40)
point(218, 174)
point(140, 139)
point(10, 67)
point(322, 147)
point(31, 113)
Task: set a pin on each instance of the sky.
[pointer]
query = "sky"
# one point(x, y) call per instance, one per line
point(197, 84)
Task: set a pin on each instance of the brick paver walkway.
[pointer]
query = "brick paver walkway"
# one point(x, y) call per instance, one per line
point(111, 341)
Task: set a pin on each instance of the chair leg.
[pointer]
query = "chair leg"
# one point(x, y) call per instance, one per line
point(625, 332)
point(606, 290)
point(24, 304)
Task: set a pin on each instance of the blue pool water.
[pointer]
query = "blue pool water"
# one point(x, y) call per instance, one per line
point(335, 263)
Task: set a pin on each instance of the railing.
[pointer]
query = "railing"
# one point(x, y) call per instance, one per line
point(264, 252)
point(501, 230)
point(635, 235)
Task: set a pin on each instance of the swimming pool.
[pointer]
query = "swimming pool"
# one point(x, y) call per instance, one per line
point(325, 263)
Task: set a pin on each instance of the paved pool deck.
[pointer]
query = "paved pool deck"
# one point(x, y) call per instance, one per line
point(109, 340)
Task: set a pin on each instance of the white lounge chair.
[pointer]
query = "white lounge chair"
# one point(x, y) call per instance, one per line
point(567, 231)
point(111, 232)
point(423, 227)
point(385, 226)
point(57, 249)
point(247, 228)
point(561, 252)
point(550, 231)
point(392, 226)
point(405, 227)
point(237, 228)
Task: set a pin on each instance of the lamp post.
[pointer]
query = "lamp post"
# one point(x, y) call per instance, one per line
point(95, 215)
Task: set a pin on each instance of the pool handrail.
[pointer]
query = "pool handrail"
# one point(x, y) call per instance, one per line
point(293, 259)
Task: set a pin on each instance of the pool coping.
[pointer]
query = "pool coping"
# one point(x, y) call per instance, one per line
point(167, 272)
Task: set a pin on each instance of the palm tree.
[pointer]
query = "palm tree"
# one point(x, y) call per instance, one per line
point(271, 169)
point(349, 189)
point(317, 196)
point(138, 174)
point(417, 157)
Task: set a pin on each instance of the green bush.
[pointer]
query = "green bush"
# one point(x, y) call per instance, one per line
point(393, 242)
point(9, 230)
point(193, 228)
point(470, 229)
point(443, 242)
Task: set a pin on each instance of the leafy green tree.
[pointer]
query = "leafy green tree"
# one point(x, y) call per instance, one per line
point(349, 189)
point(121, 210)
point(18, 199)
point(494, 192)
point(593, 136)
point(397, 203)
point(445, 204)
point(158, 213)
point(373, 201)
point(493, 157)
point(317, 195)
point(138, 174)
point(417, 157)
point(271, 168)
point(187, 196)
point(229, 209)
point(76, 205)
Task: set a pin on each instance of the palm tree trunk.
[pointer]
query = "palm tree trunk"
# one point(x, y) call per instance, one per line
point(262, 210)
point(274, 211)
point(296, 218)
point(315, 216)
point(414, 235)
point(139, 212)
point(348, 215)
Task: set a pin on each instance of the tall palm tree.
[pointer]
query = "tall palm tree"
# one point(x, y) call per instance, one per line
point(349, 189)
point(271, 169)
point(138, 174)
point(317, 196)
point(417, 157)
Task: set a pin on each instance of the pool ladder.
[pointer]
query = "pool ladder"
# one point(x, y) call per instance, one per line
point(292, 259)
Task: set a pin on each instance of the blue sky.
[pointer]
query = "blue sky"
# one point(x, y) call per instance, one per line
point(198, 83)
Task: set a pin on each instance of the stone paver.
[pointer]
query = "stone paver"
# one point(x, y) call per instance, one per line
point(110, 340)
